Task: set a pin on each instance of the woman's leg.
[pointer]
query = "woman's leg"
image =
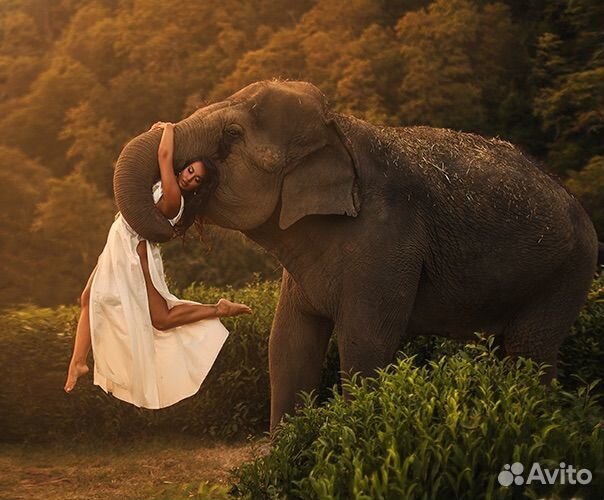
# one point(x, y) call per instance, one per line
point(81, 346)
point(164, 318)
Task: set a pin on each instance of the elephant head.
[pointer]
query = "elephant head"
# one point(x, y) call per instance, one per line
point(275, 146)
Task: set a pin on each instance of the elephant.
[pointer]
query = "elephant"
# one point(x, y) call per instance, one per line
point(384, 233)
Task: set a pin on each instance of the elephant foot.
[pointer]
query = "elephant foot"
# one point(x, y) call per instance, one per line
point(76, 370)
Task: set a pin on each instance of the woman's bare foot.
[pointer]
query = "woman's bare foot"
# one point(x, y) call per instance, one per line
point(76, 370)
point(225, 307)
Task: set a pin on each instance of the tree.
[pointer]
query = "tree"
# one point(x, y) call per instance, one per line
point(94, 146)
point(367, 85)
point(280, 57)
point(358, 95)
point(457, 71)
point(89, 38)
point(439, 87)
point(588, 185)
point(35, 124)
point(73, 221)
point(17, 74)
point(315, 49)
point(500, 63)
point(22, 185)
point(19, 35)
point(569, 71)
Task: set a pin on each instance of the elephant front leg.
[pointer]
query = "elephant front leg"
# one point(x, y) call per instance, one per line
point(297, 347)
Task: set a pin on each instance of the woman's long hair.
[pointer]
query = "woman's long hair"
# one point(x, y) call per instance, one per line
point(197, 201)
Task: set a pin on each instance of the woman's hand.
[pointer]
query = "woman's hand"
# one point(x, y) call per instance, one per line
point(161, 125)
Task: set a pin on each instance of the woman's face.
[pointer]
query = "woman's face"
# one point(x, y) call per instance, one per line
point(190, 177)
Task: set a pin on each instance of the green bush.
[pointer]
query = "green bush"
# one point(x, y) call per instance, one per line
point(442, 430)
point(223, 257)
point(582, 354)
point(35, 348)
point(36, 343)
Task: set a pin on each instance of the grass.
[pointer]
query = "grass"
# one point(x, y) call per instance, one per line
point(153, 469)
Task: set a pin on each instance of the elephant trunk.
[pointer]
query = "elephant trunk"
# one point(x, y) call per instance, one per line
point(137, 169)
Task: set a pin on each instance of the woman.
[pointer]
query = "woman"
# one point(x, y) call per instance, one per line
point(150, 348)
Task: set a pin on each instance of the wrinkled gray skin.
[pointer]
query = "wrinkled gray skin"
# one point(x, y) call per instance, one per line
point(384, 233)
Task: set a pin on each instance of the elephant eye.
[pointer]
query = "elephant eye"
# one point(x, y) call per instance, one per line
point(233, 131)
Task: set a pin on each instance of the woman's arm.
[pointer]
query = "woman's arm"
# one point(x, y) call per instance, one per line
point(169, 203)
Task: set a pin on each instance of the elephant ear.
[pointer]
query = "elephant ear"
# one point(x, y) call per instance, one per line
point(324, 182)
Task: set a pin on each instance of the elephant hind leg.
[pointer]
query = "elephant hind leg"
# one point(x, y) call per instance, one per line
point(538, 330)
point(539, 344)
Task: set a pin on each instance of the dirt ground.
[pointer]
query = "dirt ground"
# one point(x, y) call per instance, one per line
point(158, 469)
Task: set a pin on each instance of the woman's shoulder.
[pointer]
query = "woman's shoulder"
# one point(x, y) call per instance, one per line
point(158, 193)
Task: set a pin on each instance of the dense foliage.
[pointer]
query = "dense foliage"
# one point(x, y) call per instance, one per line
point(35, 347)
point(78, 78)
point(443, 430)
point(580, 352)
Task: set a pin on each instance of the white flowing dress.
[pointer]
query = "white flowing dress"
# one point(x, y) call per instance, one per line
point(132, 360)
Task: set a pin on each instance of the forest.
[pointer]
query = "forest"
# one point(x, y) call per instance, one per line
point(79, 78)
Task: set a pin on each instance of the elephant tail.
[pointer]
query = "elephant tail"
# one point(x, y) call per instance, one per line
point(600, 256)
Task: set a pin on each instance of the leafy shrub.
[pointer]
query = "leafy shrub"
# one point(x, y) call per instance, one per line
point(223, 257)
point(582, 354)
point(36, 343)
point(442, 430)
point(35, 348)
point(193, 491)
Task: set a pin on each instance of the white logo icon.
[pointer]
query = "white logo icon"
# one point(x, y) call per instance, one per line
point(511, 474)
